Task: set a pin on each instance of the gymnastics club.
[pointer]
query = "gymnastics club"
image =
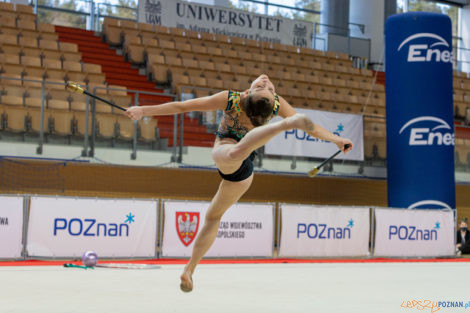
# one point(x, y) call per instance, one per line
point(74, 87)
point(313, 172)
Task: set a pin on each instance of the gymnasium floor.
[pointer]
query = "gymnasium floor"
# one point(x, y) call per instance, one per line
point(230, 288)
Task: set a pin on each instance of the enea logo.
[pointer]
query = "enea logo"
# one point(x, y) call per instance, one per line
point(90, 227)
point(421, 49)
point(439, 133)
point(429, 204)
point(413, 233)
point(324, 231)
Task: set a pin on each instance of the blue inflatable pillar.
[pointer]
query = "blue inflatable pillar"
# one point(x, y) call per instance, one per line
point(420, 123)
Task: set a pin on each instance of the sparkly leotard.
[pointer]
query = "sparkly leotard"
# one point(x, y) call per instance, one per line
point(230, 126)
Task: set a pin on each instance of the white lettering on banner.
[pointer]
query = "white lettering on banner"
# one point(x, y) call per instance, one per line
point(245, 230)
point(423, 52)
point(225, 21)
point(426, 136)
point(11, 227)
point(64, 227)
point(309, 231)
point(414, 232)
point(297, 142)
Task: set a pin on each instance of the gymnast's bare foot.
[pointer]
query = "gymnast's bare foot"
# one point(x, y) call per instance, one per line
point(300, 121)
point(186, 280)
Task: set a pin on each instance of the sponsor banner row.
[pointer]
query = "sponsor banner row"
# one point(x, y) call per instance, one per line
point(342, 231)
point(67, 227)
point(297, 142)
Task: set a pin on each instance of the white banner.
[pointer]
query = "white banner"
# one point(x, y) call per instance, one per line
point(414, 232)
point(225, 21)
point(66, 227)
point(322, 231)
point(297, 142)
point(246, 230)
point(11, 227)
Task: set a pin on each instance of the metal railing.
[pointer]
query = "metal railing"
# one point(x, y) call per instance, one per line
point(316, 33)
point(177, 149)
point(461, 56)
point(95, 15)
point(89, 149)
point(97, 26)
point(282, 6)
point(90, 111)
point(93, 11)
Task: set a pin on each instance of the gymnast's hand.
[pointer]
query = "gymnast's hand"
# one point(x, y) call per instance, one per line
point(135, 113)
point(341, 142)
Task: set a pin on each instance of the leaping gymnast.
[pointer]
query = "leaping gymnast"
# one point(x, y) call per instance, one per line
point(243, 129)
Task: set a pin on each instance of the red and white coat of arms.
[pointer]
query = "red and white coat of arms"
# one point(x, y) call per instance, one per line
point(187, 225)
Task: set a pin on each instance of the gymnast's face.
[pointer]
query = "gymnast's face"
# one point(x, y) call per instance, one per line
point(262, 87)
point(260, 101)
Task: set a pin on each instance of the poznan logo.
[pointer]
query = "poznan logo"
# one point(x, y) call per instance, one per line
point(428, 131)
point(303, 136)
point(91, 227)
point(413, 232)
point(324, 231)
point(427, 47)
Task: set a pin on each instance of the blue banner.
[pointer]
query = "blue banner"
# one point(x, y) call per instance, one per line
point(420, 123)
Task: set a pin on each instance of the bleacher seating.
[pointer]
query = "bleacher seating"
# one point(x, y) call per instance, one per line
point(30, 54)
point(307, 78)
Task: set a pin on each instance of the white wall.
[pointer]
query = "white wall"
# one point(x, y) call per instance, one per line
point(464, 32)
point(371, 14)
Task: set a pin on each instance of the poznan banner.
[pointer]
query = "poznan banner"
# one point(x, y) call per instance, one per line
point(320, 231)
point(66, 227)
point(414, 232)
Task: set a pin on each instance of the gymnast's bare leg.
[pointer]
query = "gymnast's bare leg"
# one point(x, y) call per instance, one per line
point(228, 157)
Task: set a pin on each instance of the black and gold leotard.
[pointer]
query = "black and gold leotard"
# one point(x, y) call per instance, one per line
point(230, 126)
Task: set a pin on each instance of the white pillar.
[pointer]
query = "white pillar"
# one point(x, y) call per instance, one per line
point(336, 14)
point(464, 33)
point(371, 14)
point(25, 2)
point(221, 3)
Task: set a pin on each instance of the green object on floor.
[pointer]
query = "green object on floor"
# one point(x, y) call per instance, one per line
point(77, 266)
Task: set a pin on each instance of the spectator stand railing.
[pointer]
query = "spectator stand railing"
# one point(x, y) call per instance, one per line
point(89, 150)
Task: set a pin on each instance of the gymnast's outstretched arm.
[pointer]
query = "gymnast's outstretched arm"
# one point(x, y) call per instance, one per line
point(209, 103)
